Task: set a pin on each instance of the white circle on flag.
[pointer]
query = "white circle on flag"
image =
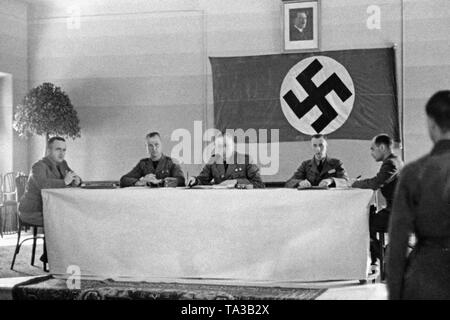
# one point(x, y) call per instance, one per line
point(342, 108)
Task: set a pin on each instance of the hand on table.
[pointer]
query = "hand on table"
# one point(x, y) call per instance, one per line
point(148, 177)
point(70, 176)
point(140, 183)
point(350, 182)
point(228, 183)
point(304, 184)
point(192, 181)
point(76, 181)
point(153, 180)
point(325, 183)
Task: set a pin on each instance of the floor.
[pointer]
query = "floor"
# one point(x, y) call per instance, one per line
point(22, 267)
point(337, 290)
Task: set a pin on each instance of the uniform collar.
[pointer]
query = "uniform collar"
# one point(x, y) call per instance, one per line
point(53, 165)
point(162, 157)
point(442, 146)
point(392, 155)
point(220, 160)
point(323, 161)
point(51, 162)
point(315, 165)
point(160, 161)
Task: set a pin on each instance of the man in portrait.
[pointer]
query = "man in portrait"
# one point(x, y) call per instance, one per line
point(300, 24)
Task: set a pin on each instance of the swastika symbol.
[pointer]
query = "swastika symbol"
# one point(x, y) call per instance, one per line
point(333, 111)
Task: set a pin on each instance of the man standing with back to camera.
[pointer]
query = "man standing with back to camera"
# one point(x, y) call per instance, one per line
point(422, 206)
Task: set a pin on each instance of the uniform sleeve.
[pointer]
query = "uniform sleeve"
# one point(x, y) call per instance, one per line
point(131, 177)
point(400, 227)
point(176, 172)
point(253, 176)
point(298, 176)
point(38, 174)
point(388, 171)
point(340, 171)
point(205, 175)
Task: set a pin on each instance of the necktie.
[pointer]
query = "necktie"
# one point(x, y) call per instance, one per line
point(60, 172)
point(225, 165)
point(320, 166)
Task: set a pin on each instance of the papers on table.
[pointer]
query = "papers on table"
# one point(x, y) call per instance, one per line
point(214, 186)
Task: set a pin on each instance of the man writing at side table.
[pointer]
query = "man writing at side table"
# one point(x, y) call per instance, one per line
point(385, 180)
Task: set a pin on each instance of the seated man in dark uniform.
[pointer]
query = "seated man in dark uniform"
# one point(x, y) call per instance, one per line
point(228, 168)
point(50, 172)
point(155, 170)
point(321, 170)
point(385, 180)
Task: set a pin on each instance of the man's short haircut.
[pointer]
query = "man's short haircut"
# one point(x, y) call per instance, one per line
point(318, 136)
point(53, 139)
point(438, 109)
point(153, 134)
point(384, 139)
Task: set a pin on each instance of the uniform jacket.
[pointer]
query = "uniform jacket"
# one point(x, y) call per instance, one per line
point(44, 175)
point(242, 169)
point(385, 180)
point(332, 168)
point(421, 206)
point(166, 168)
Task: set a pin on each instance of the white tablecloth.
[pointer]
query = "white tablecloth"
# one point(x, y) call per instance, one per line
point(248, 235)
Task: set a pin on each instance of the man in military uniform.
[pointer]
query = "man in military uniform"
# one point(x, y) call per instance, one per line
point(228, 168)
point(422, 207)
point(321, 170)
point(385, 180)
point(156, 170)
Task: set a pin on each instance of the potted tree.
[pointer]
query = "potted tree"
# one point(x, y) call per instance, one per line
point(46, 111)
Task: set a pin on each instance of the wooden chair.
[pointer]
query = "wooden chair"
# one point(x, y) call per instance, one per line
point(21, 183)
point(9, 202)
point(383, 247)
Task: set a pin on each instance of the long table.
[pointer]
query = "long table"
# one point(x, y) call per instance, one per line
point(265, 235)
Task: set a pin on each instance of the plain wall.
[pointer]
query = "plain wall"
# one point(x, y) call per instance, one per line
point(426, 66)
point(137, 66)
point(14, 82)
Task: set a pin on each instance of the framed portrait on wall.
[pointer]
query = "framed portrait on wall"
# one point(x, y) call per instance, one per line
point(301, 25)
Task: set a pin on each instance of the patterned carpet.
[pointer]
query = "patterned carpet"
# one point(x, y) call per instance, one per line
point(48, 288)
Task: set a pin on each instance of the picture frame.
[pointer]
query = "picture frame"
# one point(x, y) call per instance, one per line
point(301, 25)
